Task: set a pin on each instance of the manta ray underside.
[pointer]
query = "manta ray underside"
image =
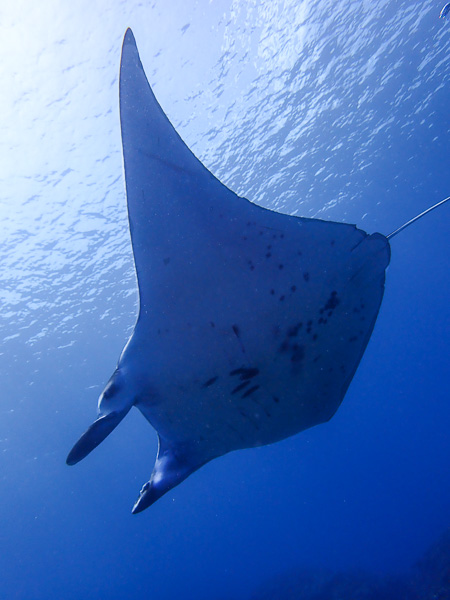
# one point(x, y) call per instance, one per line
point(251, 323)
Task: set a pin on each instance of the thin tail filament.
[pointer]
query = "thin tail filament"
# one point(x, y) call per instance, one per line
point(391, 235)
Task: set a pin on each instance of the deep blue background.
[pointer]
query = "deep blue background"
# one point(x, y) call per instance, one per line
point(332, 109)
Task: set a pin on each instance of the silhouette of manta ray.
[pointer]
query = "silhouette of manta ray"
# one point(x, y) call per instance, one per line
point(251, 323)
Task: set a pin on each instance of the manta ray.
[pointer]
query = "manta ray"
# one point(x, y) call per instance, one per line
point(251, 323)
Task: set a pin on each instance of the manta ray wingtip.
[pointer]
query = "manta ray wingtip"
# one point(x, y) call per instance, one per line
point(128, 38)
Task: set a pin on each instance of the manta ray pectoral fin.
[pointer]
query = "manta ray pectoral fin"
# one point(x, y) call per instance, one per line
point(96, 433)
point(172, 466)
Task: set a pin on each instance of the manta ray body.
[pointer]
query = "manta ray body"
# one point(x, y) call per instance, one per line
point(251, 323)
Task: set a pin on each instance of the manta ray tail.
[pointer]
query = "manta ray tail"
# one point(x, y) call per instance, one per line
point(96, 433)
point(422, 214)
point(173, 464)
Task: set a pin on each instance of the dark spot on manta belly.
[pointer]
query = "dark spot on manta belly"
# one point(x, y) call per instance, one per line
point(306, 276)
point(240, 387)
point(236, 330)
point(245, 372)
point(210, 381)
point(166, 261)
point(332, 301)
point(298, 353)
point(250, 391)
point(293, 331)
point(284, 347)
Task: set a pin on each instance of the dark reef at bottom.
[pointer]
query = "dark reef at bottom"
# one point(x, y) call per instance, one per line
point(428, 579)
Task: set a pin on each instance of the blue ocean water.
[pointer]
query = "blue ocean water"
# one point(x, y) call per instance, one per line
point(337, 110)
